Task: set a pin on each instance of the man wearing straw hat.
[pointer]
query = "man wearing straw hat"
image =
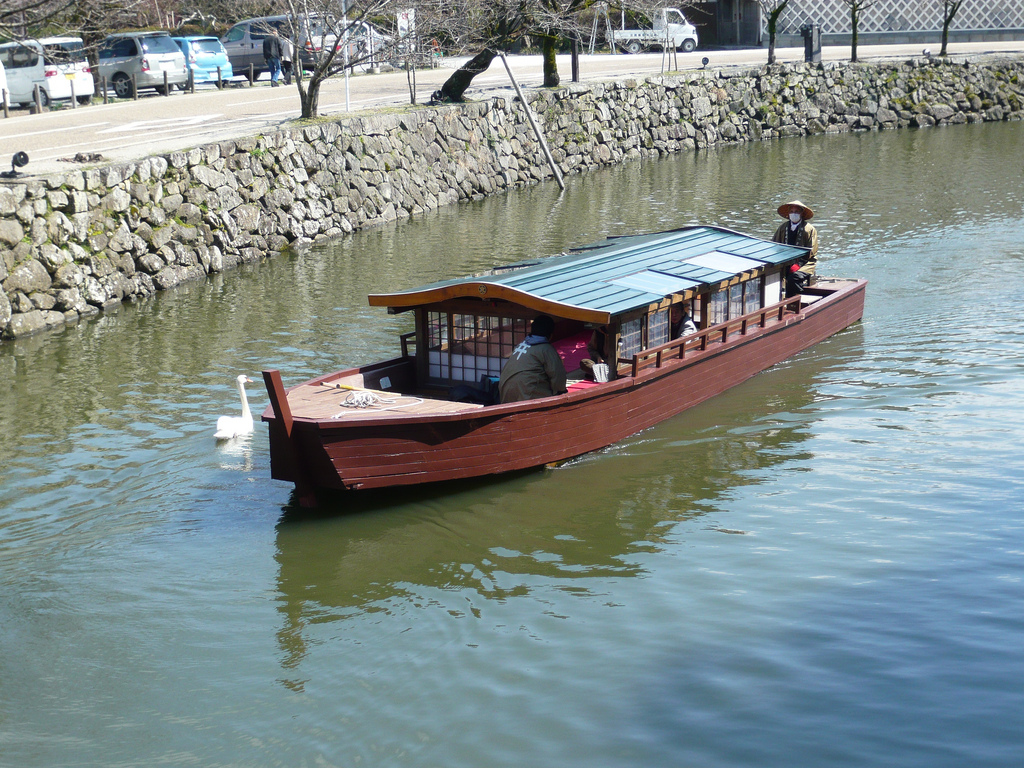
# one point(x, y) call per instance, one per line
point(796, 231)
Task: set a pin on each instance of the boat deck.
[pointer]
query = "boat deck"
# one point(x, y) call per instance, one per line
point(340, 398)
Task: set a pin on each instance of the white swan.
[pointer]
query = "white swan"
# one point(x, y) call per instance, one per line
point(236, 426)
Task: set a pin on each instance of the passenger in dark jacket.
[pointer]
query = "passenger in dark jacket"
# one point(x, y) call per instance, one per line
point(272, 53)
point(534, 368)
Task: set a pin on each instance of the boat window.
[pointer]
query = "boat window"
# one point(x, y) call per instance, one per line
point(631, 337)
point(718, 310)
point(735, 300)
point(478, 346)
point(657, 328)
point(752, 295)
point(437, 329)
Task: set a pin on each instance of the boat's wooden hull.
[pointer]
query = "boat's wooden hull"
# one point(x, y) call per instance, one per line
point(398, 449)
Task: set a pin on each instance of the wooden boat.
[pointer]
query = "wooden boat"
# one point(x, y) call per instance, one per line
point(412, 428)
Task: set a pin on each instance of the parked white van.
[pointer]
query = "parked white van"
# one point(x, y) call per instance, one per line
point(56, 64)
point(6, 97)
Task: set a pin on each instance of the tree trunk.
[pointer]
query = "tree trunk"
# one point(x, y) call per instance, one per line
point(853, 39)
point(310, 98)
point(773, 25)
point(947, 19)
point(309, 91)
point(455, 86)
point(549, 48)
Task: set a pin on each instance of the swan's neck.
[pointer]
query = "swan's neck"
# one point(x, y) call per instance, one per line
point(245, 401)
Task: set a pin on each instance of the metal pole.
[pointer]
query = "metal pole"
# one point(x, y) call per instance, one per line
point(3, 98)
point(74, 101)
point(37, 98)
point(344, 23)
point(536, 128)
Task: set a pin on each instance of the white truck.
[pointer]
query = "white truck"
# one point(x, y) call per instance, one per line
point(671, 29)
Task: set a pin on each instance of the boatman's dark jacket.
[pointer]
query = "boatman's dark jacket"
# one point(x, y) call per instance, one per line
point(532, 371)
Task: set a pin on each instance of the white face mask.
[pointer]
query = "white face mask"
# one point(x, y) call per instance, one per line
point(796, 218)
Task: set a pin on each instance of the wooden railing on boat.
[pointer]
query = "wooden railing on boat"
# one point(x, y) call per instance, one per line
point(407, 339)
point(677, 348)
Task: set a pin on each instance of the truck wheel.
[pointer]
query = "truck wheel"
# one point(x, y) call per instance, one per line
point(689, 45)
point(634, 47)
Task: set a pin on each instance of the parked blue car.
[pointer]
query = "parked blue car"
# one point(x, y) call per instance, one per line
point(202, 56)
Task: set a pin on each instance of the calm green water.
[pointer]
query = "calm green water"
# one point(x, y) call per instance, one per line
point(822, 567)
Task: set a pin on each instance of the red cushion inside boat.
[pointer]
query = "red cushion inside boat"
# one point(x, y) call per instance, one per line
point(572, 349)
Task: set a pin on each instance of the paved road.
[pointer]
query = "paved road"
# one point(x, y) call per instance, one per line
point(157, 124)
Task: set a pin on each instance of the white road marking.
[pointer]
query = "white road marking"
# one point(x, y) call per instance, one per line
point(55, 130)
point(173, 123)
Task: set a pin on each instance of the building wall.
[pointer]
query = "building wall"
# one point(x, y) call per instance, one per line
point(833, 16)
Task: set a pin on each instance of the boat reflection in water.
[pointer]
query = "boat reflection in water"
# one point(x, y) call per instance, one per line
point(577, 525)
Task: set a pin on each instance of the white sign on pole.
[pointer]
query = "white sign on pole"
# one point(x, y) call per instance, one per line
point(407, 23)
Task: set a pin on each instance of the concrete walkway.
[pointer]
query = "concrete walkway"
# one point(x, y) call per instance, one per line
point(124, 131)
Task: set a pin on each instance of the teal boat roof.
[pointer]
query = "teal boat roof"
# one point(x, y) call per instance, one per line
point(613, 276)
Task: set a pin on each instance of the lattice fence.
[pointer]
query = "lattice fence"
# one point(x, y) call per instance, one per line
point(902, 16)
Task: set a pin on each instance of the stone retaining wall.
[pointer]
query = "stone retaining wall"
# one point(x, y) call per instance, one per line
point(76, 242)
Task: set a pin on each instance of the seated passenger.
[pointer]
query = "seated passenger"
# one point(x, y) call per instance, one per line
point(595, 351)
point(680, 322)
point(534, 368)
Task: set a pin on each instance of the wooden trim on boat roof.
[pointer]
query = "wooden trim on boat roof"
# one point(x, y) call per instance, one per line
point(399, 302)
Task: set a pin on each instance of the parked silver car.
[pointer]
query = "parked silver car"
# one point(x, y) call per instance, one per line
point(146, 55)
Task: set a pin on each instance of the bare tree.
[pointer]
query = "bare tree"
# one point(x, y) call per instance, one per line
point(331, 36)
point(89, 19)
point(489, 26)
point(25, 18)
point(222, 13)
point(486, 26)
point(553, 21)
point(949, 9)
point(772, 9)
point(856, 8)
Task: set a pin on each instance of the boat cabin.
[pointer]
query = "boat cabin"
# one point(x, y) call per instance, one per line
point(466, 328)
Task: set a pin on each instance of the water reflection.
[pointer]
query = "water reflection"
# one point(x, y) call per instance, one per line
point(584, 521)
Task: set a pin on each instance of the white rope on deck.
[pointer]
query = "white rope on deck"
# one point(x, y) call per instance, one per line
point(366, 399)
